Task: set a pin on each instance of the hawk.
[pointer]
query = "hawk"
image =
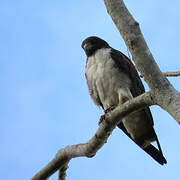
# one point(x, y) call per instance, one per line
point(112, 80)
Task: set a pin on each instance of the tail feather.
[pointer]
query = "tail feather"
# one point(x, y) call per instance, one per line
point(151, 150)
point(155, 154)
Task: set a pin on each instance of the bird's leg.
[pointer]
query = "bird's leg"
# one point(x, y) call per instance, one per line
point(102, 118)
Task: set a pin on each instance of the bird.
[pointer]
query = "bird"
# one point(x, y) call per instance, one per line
point(112, 80)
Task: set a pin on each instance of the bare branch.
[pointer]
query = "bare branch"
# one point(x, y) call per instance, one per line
point(163, 91)
point(171, 74)
point(131, 33)
point(90, 148)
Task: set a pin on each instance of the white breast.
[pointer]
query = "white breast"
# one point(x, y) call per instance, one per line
point(106, 83)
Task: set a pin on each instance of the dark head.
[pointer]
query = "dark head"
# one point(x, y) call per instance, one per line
point(92, 44)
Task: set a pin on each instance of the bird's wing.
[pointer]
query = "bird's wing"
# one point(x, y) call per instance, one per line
point(125, 65)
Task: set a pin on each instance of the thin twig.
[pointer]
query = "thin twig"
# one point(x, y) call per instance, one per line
point(171, 74)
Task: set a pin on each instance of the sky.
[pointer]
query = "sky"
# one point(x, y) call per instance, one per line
point(45, 104)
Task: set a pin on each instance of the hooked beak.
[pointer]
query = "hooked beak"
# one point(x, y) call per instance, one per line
point(87, 46)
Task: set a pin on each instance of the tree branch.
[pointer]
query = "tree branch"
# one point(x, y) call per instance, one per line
point(163, 91)
point(131, 33)
point(171, 74)
point(90, 148)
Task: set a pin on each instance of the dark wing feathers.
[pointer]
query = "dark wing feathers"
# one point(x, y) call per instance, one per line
point(124, 64)
point(151, 150)
point(138, 87)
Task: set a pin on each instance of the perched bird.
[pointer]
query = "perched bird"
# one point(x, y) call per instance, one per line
point(112, 80)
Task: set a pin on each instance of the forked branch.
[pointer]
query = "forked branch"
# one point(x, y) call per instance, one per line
point(163, 91)
point(90, 148)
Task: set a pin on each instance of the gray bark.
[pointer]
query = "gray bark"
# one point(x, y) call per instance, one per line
point(90, 148)
point(164, 94)
point(171, 74)
point(62, 172)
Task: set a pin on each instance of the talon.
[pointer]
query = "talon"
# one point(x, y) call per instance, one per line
point(102, 118)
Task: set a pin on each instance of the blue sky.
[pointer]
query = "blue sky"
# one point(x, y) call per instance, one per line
point(45, 103)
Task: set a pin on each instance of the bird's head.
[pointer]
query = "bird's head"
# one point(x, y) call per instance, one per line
point(92, 44)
